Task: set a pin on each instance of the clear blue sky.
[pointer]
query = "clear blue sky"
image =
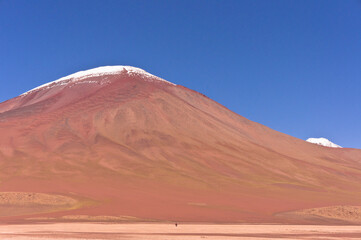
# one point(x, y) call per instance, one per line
point(294, 66)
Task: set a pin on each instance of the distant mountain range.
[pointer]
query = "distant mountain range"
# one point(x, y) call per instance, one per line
point(323, 141)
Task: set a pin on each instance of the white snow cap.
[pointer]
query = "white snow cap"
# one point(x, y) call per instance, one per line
point(323, 141)
point(95, 72)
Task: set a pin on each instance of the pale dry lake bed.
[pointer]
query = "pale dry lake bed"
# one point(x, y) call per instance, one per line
point(153, 231)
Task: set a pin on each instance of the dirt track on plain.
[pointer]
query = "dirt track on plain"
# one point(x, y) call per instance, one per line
point(72, 231)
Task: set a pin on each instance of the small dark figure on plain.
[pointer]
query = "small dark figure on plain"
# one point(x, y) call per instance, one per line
point(176, 224)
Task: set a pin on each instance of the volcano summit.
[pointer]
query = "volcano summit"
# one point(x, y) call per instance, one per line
point(120, 144)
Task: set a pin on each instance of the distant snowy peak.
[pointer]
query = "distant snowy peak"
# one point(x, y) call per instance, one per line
point(323, 141)
point(96, 72)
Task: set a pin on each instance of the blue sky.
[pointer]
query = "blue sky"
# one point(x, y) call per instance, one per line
point(294, 66)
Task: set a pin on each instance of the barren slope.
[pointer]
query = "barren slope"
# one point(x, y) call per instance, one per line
point(136, 146)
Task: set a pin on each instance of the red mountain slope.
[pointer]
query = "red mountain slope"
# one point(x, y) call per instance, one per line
point(122, 142)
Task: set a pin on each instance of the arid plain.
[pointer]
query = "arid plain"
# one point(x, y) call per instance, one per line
point(168, 231)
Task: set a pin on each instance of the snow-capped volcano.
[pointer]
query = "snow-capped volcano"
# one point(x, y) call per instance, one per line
point(135, 145)
point(323, 141)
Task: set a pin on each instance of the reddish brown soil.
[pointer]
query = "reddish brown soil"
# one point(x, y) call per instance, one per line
point(20, 203)
point(332, 214)
point(158, 152)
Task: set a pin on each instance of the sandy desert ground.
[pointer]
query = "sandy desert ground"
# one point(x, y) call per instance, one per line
point(70, 231)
